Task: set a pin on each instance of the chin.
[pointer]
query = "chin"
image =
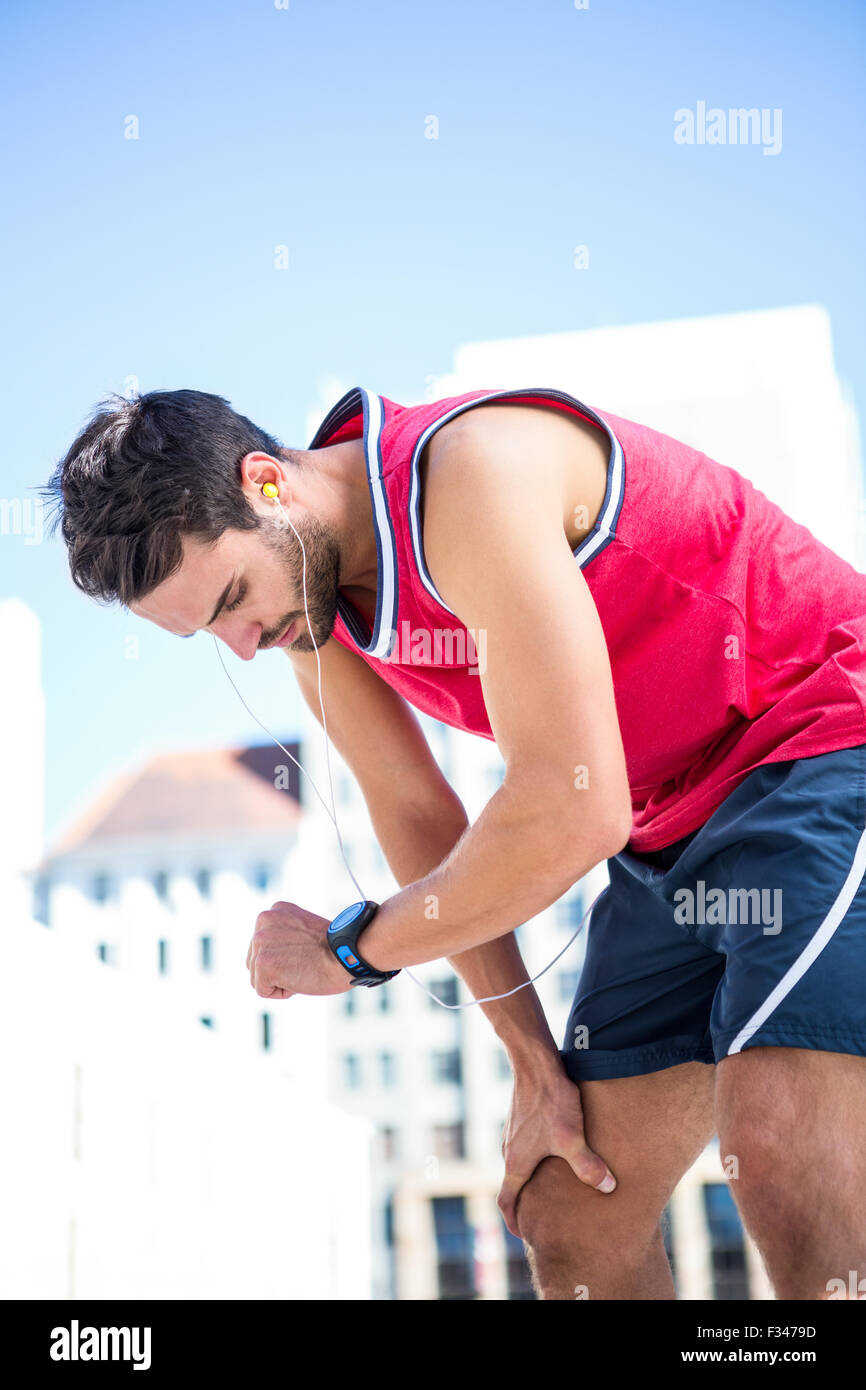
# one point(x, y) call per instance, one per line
point(322, 630)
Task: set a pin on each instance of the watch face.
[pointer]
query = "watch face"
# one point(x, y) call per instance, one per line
point(347, 916)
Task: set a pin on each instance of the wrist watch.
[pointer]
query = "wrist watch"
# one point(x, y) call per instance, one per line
point(342, 938)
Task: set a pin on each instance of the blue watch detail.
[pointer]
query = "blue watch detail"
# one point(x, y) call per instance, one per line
point(347, 916)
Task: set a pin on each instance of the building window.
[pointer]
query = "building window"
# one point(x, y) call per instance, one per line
point(449, 1141)
point(100, 888)
point(160, 885)
point(102, 952)
point(207, 1021)
point(387, 1143)
point(388, 1221)
point(42, 900)
point(388, 1068)
point(350, 999)
point(203, 882)
point(380, 863)
point(455, 1249)
point(568, 983)
point(383, 995)
point(162, 947)
point(260, 877)
point(727, 1244)
point(352, 1071)
point(267, 1033)
point(503, 1066)
point(569, 912)
point(446, 1066)
point(207, 953)
point(444, 989)
point(517, 1273)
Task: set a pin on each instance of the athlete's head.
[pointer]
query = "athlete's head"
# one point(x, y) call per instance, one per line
point(162, 511)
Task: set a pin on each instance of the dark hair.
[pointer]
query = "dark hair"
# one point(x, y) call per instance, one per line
point(143, 473)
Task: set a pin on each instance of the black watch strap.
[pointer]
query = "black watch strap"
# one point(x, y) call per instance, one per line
point(343, 936)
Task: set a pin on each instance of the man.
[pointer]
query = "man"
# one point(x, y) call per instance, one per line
point(675, 675)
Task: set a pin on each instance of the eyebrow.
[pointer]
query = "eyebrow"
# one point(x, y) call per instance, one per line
point(220, 601)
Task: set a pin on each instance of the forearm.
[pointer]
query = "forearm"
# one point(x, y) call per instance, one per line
point(510, 865)
point(496, 968)
point(415, 842)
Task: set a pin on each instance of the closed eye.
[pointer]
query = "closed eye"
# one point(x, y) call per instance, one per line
point(242, 593)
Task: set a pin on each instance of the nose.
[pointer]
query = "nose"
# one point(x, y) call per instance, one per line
point(242, 638)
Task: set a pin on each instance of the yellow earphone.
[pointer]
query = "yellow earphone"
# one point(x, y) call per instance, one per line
point(270, 490)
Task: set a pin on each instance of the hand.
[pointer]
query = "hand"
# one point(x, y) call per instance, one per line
point(289, 954)
point(545, 1119)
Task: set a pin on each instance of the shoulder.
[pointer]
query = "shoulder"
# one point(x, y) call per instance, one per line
point(545, 446)
point(505, 428)
point(492, 488)
point(490, 443)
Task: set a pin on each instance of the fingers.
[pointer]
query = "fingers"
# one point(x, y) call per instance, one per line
point(261, 979)
point(264, 920)
point(586, 1165)
point(254, 952)
point(258, 975)
point(591, 1169)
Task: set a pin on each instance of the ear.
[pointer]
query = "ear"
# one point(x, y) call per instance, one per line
point(259, 468)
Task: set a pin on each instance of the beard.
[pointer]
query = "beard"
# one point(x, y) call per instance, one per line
point(322, 580)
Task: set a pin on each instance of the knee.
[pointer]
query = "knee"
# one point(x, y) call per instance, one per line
point(582, 1243)
point(762, 1170)
point(562, 1219)
point(539, 1205)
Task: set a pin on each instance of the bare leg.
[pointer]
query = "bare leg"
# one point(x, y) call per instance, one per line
point(796, 1121)
point(649, 1129)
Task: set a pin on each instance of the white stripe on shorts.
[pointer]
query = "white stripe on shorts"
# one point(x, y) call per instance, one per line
point(809, 953)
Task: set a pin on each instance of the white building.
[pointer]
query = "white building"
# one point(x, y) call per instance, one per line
point(145, 1156)
point(165, 874)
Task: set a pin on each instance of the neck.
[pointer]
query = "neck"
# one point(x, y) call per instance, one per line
point(332, 483)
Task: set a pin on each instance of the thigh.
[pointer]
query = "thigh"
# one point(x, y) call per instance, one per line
point(795, 1120)
point(646, 988)
point(649, 1129)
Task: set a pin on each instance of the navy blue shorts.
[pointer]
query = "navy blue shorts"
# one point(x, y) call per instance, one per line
point(750, 932)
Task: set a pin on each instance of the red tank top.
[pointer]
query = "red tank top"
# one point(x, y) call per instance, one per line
point(735, 637)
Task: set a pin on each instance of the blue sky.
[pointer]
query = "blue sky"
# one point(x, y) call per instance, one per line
point(305, 127)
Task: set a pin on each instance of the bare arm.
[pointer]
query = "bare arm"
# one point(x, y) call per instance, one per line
point(505, 566)
point(418, 820)
point(500, 558)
